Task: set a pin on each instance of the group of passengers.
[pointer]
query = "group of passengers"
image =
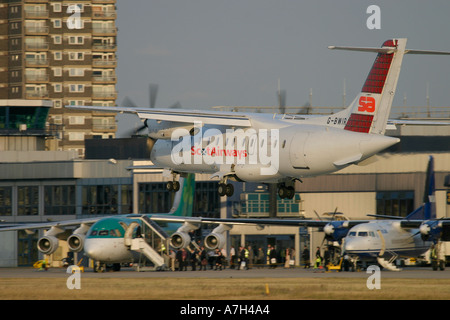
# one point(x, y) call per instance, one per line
point(243, 258)
point(197, 259)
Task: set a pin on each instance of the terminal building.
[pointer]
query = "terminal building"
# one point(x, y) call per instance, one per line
point(37, 185)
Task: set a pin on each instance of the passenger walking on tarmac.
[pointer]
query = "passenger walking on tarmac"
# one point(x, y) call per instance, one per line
point(326, 257)
point(172, 257)
point(251, 257)
point(269, 249)
point(219, 260)
point(232, 257)
point(184, 259)
point(203, 259)
point(193, 259)
point(305, 258)
point(243, 257)
point(287, 258)
point(260, 257)
point(273, 257)
point(178, 260)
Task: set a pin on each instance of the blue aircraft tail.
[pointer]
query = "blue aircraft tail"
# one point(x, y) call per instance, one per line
point(184, 198)
point(428, 209)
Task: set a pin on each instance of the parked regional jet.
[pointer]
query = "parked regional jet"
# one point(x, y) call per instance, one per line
point(279, 148)
point(109, 240)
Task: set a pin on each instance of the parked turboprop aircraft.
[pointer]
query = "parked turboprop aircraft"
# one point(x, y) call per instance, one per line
point(277, 148)
point(386, 240)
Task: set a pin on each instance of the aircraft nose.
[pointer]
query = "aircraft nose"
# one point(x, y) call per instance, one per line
point(349, 246)
point(90, 249)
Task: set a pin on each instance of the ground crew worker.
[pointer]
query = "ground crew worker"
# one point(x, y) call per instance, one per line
point(246, 255)
point(269, 248)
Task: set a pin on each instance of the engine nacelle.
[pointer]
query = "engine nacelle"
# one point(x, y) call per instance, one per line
point(215, 241)
point(76, 242)
point(180, 240)
point(335, 231)
point(164, 129)
point(431, 230)
point(48, 244)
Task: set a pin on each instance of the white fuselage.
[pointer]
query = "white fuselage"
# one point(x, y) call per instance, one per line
point(270, 151)
point(369, 240)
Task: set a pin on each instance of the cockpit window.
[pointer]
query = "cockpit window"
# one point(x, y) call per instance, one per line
point(94, 232)
point(115, 233)
point(362, 234)
point(103, 232)
point(352, 234)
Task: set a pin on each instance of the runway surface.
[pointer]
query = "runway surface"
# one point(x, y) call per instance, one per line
point(406, 273)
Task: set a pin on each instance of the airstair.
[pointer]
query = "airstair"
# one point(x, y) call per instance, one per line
point(150, 239)
point(388, 264)
point(382, 256)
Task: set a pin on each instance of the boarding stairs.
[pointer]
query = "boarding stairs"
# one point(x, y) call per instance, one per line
point(388, 264)
point(148, 243)
point(384, 254)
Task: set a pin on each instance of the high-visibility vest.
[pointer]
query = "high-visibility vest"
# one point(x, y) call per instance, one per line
point(246, 253)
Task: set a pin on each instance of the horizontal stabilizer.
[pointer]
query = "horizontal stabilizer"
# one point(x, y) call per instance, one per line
point(388, 50)
point(364, 49)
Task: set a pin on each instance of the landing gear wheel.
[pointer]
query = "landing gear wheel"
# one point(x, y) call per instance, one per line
point(176, 186)
point(290, 192)
point(222, 189)
point(169, 186)
point(99, 267)
point(226, 189)
point(282, 192)
point(229, 190)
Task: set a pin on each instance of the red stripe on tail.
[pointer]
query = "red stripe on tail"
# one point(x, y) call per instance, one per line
point(359, 123)
point(377, 75)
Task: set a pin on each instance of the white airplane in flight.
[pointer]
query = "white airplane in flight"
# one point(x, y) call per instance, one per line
point(278, 148)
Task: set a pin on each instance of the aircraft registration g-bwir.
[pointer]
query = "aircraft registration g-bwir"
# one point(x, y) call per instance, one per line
point(278, 148)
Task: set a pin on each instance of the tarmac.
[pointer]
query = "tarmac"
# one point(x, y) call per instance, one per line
point(298, 272)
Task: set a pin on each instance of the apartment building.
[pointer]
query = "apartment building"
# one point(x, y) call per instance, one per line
point(64, 52)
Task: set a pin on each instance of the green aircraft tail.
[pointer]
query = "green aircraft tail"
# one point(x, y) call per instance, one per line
point(184, 198)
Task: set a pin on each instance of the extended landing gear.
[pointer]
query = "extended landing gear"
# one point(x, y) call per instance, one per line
point(100, 267)
point(172, 186)
point(285, 191)
point(226, 189)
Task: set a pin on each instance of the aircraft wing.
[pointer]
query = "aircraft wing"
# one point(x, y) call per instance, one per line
point(48, 225)
point(247, 221)
point(418, 122)
point(179, 115)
